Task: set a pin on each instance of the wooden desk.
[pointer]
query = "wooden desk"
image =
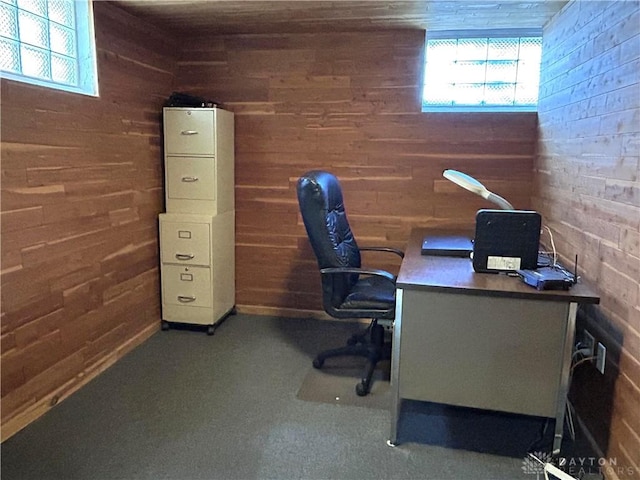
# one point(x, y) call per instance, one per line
point(480, 340)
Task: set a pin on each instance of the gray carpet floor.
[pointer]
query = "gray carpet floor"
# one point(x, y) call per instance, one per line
point(185, 405)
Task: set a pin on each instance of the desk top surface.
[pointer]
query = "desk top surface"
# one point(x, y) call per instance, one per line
point(440, 273)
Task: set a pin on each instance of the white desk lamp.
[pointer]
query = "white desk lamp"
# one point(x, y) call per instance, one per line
point(469, 183)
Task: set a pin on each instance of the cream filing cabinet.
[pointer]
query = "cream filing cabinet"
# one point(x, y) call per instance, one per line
point(197, 240)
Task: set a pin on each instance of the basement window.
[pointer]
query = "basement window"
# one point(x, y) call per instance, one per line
point(482, 71)
point(49, 43)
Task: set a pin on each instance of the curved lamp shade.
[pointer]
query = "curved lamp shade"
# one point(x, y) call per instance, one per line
point(469, 183)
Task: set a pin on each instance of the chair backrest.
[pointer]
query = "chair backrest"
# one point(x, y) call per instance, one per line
point(324, 216)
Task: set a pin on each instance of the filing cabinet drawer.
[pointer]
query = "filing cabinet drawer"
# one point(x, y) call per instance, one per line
point(187, 286)
point(189, 131)
point(191, 178)
point(185, 243)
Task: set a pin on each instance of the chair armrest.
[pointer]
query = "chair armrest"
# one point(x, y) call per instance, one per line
point(398, 252)
point(360, 271)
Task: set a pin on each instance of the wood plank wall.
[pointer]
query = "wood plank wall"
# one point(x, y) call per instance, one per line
point(348, 103)
point(588, 189)
point(81, 189)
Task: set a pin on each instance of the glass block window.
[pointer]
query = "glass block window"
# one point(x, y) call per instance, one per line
point(48, 43)
point(481, 72)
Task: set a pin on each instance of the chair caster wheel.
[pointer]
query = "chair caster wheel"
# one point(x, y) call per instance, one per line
point(317, 363)
point(361, 390)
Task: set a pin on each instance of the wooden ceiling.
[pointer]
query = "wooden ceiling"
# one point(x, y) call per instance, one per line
point(246, 17)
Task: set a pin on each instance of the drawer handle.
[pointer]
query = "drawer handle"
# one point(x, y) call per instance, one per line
point(189, 179)
point(185, 256)
point(189, 132)
point(184, 299)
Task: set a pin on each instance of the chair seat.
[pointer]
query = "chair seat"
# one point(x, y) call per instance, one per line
point(371, 293)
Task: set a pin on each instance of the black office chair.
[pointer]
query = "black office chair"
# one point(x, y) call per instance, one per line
point(348, 290)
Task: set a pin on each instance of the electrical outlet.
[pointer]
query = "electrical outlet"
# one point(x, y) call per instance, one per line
point(588, 342)
point(601, 357)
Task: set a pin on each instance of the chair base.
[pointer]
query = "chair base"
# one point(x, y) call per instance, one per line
point(370, 345)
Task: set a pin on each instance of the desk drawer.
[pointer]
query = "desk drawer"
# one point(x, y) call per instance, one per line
point(191, 178)
point(187, 286)
point(189, 131)
point(185, 243)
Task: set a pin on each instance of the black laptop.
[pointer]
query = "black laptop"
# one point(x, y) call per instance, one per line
point(447, 246)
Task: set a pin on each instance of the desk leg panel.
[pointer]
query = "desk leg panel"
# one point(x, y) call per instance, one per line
point(565, 378)
point(395, 369)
